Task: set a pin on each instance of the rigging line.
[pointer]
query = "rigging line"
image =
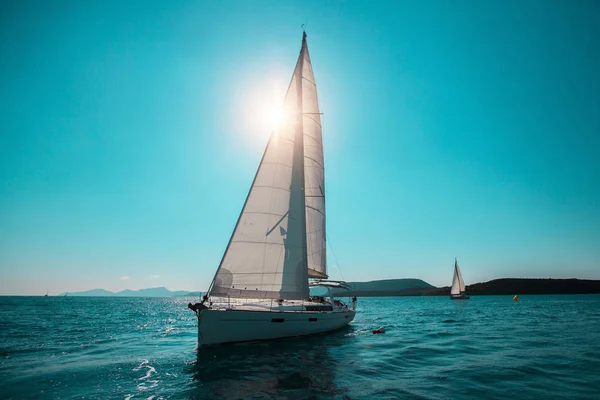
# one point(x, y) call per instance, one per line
point(336, 261)
point(315, 252)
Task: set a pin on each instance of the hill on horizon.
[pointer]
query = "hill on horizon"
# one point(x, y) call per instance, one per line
point(535, 286)
point(149, 292)
point(385, 287)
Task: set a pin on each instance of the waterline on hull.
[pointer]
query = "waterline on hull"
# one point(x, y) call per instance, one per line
point(460, 297)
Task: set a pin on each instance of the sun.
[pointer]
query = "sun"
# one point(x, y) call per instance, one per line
point(274, 116)
point(263, 110)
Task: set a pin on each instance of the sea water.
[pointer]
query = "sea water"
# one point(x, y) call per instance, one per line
point(490, 347)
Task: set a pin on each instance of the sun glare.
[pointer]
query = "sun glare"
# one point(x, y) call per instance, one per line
point(274, 116)
point(263, 111)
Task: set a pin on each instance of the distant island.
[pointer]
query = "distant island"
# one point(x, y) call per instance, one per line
point(151, 292)
point(386, 287)
point(400, 287)
point(506, 286)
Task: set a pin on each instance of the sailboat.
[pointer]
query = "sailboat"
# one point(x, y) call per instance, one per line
point(277, 251)
point(457, 291)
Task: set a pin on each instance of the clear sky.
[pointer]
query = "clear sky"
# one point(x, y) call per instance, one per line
point(131, 131)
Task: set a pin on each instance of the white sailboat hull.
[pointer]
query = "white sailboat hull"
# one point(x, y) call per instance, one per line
point(220, 326)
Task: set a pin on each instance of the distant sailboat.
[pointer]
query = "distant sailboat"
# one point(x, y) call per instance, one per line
point(277, 250)
point(457, 291)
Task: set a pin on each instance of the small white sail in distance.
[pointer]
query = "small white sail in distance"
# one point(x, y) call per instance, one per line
point(458, 284)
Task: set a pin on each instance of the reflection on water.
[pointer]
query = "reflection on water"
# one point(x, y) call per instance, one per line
point(489, 347)
point(294, 369)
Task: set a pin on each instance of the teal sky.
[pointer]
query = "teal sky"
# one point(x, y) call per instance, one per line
point(131, 131)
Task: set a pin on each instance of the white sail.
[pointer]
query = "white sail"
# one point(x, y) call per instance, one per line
point(267, 255)
point(314, 172)
point(458, 285)
point(461, 282)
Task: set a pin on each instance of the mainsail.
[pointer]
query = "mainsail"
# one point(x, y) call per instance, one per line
point(279, 239)
point(458, 285)
point(314, 172)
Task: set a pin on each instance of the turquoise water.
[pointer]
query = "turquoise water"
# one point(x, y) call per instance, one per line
point(543, 347)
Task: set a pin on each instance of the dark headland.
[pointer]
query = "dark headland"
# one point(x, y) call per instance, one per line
point(534, 286)
point(506, 286)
